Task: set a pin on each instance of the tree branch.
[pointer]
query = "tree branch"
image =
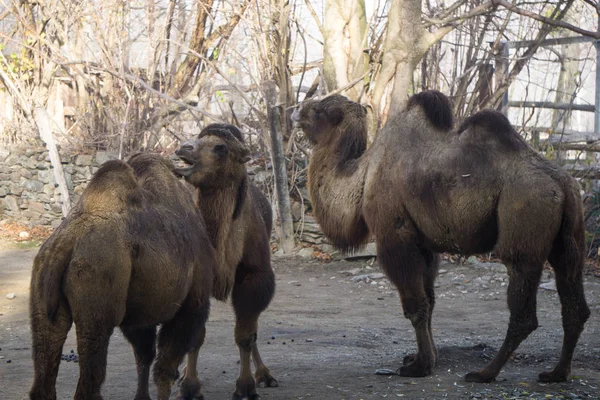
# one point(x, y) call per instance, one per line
point(549, 21)
point(451, 23)
point(312, 12)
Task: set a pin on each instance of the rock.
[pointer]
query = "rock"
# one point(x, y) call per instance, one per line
point(4, 154)
point(104, 156)
point(30, 214)
point(370, 250)
point(33, 186)
point(46, 176)
point(550, 285)
point(494, 267)
point(472, 260)
point(352, 272)
point(24, 235)
point(305, 252)
point(297, 211)
point(364, 277)
point(10, 203)
point(36, 206)
point(11, 296)
point(16, 188)
point(3, 191)
point(442, 271)
point(84, 159)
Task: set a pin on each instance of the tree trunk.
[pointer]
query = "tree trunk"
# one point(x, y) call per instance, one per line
point(186, 70)
point(567, 87)
point(286, 231)
point(281, 50)
point(345, 38)
point(405, 45)
point(40, 114)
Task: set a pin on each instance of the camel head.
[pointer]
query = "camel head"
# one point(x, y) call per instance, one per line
point(336, 123)
point(215, 157)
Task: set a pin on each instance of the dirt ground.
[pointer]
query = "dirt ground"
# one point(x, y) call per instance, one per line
point(329, 329)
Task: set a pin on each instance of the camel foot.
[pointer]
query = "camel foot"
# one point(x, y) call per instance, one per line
point(190, 389)
point(197, 397)
point(266, 381)
point(142, 397)
point(253, 396)
point(245, 388)
point(263, 378)
point(479, 377)
point(553, 376)
point(415, 369)
point(408, 359)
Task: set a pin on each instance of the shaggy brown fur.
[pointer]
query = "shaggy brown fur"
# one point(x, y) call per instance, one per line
point(238, 217)
point(423, 188)
point(123, 258)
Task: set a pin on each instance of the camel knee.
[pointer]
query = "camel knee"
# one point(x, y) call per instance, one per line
point(245, 341)
point(415, 310)
point(521, 328)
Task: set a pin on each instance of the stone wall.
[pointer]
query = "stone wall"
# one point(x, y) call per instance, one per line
point(28, 193)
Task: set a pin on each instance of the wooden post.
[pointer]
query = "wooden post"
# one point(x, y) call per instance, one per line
point(501, 74)
point(286, 225)
point(486, 88)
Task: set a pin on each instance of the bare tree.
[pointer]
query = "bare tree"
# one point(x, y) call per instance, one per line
point(345, 38)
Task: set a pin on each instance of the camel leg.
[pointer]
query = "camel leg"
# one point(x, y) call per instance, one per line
point(48, 338)
point(143, 342)
point(190, 384)
point(432, 262)
point(405, 265)
point(522, 292)
point(253, 290)
point(262, 375)
point(177, 337)
point(92, 345)
point(575, 313)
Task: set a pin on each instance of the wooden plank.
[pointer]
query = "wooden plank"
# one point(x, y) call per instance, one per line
point(552, 105)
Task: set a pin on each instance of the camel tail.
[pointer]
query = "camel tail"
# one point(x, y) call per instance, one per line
point(569, 247)
point(49, 268)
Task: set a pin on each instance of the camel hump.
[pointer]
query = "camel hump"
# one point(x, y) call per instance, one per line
point(111, 189)
point(437, 108)
point(493, 124)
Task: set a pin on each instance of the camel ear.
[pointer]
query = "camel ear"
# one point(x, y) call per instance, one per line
point(244, 154)
point(335, 116)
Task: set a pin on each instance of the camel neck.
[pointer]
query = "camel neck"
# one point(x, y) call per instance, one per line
point(221, 207)
point(336, 192)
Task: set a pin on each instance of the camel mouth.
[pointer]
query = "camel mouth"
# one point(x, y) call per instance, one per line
point(185, 166)
point(185, 160)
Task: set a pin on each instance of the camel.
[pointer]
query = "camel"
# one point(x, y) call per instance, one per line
point(239, 222)
point(122, 258)
point(426, 187)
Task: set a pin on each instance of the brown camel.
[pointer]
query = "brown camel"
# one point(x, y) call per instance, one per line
point(122, 258)
point(239, 221)
point(424, 188)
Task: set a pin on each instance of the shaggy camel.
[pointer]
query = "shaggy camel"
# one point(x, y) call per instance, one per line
point(239, 221)
point(122, 258)
point(424, 188)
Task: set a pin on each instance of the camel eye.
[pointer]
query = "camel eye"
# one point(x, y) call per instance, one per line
point(221, 150)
